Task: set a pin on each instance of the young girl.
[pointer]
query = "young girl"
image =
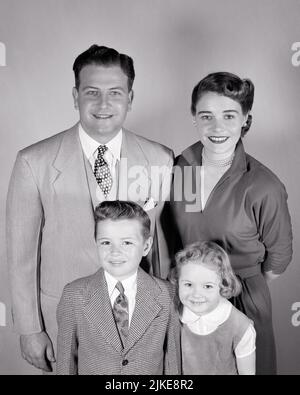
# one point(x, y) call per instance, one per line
point(216, 338)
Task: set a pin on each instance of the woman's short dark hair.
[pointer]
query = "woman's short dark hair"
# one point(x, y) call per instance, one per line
point(229, 85)
point(104, 56)
point(119, 209)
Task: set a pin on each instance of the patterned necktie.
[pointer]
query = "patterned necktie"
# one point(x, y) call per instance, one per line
point(101, 171)
point(120, 310)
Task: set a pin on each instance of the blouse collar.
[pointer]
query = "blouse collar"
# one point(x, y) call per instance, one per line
point(207, 323)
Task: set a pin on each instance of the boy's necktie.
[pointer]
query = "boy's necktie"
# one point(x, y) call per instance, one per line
point(120, 310)
point(101, 171)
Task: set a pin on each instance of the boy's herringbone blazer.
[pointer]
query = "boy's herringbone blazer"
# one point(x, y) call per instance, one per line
point(88, 340)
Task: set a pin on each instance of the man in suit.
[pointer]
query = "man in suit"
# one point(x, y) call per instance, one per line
point(55, 186)
point(119, 320)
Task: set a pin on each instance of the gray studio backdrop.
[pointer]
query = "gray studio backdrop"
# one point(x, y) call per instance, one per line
point(174, 43)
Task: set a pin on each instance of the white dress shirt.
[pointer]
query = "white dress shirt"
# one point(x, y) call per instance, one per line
point(111, 156)
point(208, 323)
point(130, 289)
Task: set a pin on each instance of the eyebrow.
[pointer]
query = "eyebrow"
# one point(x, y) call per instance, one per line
point(117, 87)
point(96, 88)
point(109, 238)
point(204, 112)
point(210, 112)
point(190, 281)
point(89, 87)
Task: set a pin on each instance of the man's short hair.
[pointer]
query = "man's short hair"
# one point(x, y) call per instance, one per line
point(119, 209)
point(104, 56)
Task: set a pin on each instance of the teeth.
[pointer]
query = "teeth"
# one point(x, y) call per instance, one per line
point(218, 139)
point(102, 116)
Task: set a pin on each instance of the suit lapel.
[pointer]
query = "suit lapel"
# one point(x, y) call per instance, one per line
point(146, 308)
point(98, 310)
point(92, 183)
point(71, 191)
point(134, 166)
point(69, 165)
point(134, 169)
point(99, 313)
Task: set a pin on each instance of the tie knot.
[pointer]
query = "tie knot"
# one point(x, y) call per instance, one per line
point(120, 287)
point(102, 149)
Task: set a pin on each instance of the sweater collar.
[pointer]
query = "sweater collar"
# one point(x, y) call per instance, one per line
point(193, 155)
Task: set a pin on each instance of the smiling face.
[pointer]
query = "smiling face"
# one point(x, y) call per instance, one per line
point(103, 101)
point(199, 288)
point(121, 246)
point(219, 121)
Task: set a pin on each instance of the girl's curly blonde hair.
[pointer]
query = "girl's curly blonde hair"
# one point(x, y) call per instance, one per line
point(211, 255)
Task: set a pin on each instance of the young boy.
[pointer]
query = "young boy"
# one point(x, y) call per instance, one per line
point(119, 320)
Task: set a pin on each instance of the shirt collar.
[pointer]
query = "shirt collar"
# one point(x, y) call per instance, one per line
point(213, 319)
point(115, 144)
point(90, 146)
point(129, 283)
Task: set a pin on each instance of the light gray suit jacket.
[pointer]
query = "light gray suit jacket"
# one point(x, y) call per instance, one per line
point(50, 221)
point(88, 340)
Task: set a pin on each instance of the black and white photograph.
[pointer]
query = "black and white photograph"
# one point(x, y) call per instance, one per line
point(149, 190)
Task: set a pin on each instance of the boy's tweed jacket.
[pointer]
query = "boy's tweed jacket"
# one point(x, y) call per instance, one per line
point(88, 341)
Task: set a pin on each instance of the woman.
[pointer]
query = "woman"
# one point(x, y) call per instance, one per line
point(224, 195)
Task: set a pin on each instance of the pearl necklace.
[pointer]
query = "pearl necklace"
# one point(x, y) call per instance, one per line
point(216, 162)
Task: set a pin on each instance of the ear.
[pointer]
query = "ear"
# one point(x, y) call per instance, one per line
point(147, 245)
point(130, 99)
point(246, 119)
point(75, 97)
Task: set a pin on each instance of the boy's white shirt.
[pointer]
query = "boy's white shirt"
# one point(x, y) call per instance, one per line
point(208, 323)
point(111, 156)
point(130, 289)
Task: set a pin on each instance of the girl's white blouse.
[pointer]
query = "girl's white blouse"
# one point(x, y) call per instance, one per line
point(205, 324)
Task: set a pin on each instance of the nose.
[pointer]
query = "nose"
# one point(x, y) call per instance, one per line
point(103, 101)
point(218, 125)
point(115, 249)
point(198, 294)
